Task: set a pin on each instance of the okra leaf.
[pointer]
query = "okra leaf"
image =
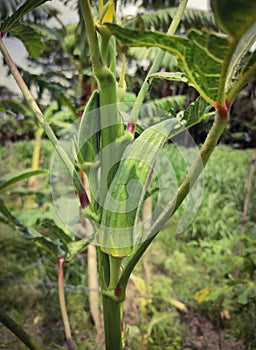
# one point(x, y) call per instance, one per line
point(243, 76)
point(71, 247)
point(149, 112)
point(57, 249)
point(201, 55)
point(22, 175)
point(196, 111)
point(250, 67)
point(173, 76)
point(168, 103)
point(234, 17)
point(57, 231)
point(13, 20)
point(6, 216)
point(238, 60)
point(30, 38)
point(76, 247)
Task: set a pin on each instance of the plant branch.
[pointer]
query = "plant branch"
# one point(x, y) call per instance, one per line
point(91, 35)
point(157, 62)
point(63, 303)
point(18, 331)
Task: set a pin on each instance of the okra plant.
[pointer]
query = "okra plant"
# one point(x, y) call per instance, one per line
point(115, 154)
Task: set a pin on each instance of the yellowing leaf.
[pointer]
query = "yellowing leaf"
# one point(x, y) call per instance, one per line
point(202, 294)
point(36, 320)
point(108, 17)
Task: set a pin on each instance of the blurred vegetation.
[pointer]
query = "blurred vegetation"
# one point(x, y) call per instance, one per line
point(200, 267)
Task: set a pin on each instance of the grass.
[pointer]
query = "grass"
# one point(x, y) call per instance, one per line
point(176, 266)
point(29, 294)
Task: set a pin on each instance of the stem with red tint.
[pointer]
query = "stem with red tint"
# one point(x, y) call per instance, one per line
point(63, 307)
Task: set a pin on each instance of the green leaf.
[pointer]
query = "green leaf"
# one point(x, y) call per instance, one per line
point(13, 20)
point(245, 74)
point(202, 294)
point(56, 231)
point(22, 175)
point(250, 66)
point(149, 113)
point(202, 56)
point(249, 292)
point(88, 135)
point(15, 106)
point(234, 17)
point(6, 214)
point(168, 103)
point(30, 38)
point(76, 247)
point(55, 248)
point(196, 111)
point(141, 53)
point(173, 76)
point(161, 19)
point(236, 63)
point(72, 248)
point(158, 318)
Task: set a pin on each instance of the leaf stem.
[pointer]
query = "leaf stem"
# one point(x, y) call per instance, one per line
point(18, 331)
point(63, 307)
point(157, 62)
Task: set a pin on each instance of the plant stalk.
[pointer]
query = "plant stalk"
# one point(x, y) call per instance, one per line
point(157, 62)
point(36, 155)
point(111, 124)
point(63, 304)
point(112, 310)
point(18, 331)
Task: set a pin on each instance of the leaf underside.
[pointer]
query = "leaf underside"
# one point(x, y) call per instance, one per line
point(201, 55)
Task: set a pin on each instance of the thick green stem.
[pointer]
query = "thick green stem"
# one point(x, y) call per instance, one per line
point(109, 271)
point(157, 62)
point(91, 35)
point(63, 303)
point(111, 125)
point(112, 311)
point(18, 331)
